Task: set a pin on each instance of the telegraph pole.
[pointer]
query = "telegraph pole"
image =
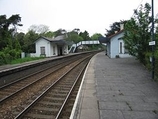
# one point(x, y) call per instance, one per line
point(153, 41)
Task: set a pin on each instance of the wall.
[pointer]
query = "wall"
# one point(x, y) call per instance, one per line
point(51, 48)
point(123, 54)
point(42, 43)
point(115, 47)
point(108, 51)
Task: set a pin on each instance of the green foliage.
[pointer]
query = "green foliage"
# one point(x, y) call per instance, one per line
point(59, 32)
point(156, 63)
point(10, 48)
point(20, 38)
point(3, 58)
point(7, 55)
point(114, 27)
point(137, 33)
point(96, 36)
point(49, 34)
point(96, 47)
point(148, 62)
point(29, 42)
point(85, 35)
point(26, 59)
point(74, 37)
point(8, 28)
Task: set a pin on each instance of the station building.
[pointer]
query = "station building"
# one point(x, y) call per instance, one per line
point(115, 45)
point(49, 47)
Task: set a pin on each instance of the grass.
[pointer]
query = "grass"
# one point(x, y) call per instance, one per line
point(26, 59)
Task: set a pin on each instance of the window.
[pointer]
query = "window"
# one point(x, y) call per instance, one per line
point(42, 50)
point(120, 47)
point(53, 49)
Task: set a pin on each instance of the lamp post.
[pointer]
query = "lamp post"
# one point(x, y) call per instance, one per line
point(152, 40)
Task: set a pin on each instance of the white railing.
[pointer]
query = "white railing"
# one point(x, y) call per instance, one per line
point(74, 46)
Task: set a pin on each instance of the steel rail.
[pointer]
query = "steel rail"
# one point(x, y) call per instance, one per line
point(20, 115)
point(67, 97)
point(39, 71)
point(30, 84)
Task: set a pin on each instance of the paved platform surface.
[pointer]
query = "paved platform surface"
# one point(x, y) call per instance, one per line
point(117, 89)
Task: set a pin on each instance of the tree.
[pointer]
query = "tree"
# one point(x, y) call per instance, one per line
point(59, 32)
point(9, 45)
point(29, 42)
point(49, 34)
point(20, 37)
point(77, 30)
point(85, 35)
point(138, 33)
point(115, 27)
point(8, 28)
point(96, 36)
point(73, 36)
point(40, 29)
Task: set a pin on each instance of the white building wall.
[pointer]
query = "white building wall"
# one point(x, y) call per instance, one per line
point(41, 43)
point(48, 54)
point(115, 45)
point(108, 51)
point(123, 54)
point(51, 49)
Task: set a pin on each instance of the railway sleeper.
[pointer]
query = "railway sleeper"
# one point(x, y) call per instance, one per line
point(50, 104)
point(36, 116)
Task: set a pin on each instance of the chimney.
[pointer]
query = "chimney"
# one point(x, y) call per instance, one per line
point(121, 26)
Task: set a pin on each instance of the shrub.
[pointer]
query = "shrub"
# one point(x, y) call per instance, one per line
point(7, 55)
point(148, 62)
point(156, 63)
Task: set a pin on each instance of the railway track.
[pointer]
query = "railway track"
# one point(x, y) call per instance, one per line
point(15, 87)
point(15, 74)
point(18, 96)
point(52, 101)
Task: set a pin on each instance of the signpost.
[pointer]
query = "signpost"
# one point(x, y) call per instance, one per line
point(152, 43)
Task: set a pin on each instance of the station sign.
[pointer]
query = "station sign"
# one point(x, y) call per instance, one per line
point(152, 43)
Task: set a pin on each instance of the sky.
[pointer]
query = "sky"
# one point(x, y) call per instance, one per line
point(92, 15)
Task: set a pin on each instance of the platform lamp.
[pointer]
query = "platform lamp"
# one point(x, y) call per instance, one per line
point(153, 40)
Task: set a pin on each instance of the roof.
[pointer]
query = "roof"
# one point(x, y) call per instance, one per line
point(103, 39)
point(59, 39)
point(107, 39)
point(115, 34)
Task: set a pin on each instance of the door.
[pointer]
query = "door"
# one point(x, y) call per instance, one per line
point(60, 51)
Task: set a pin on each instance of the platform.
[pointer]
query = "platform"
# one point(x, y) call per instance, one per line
point(117, 89)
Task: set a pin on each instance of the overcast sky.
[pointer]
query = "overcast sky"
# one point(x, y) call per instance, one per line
point(92, 15)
